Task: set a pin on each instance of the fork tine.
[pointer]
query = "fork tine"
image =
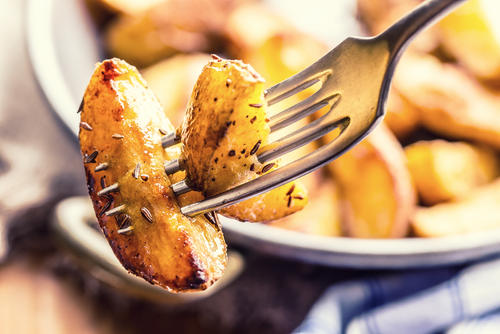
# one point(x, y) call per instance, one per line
point(300, 110)
point(349, 137)
point(170, 139)
point(301, 137)
point(294, 84)
point(180, 187)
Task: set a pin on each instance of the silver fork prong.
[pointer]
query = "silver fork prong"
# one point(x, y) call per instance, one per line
point(295, 84)
point(272, 100)
point(300, 110)
point(170, 139)
point(172, 166)
point(180, 187)
point(278, 177)
point(299, 138)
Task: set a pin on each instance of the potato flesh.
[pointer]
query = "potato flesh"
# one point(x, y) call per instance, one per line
point(377, 195)
point(450, 103)
point(476, 212)
point(224, 128)
point(471, 33)
point(443, 170)
point(174, 251)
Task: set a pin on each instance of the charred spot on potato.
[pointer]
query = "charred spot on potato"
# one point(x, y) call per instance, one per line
point(255, 148)
point(232, 153)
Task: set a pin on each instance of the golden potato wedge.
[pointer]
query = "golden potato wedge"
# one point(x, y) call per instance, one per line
point(175, 26)
point(321, 216)
point(444, 170)
point(224, 128)
point(450, 103)
point(478, 211)
point(139, 215)
point(471, 34)
point(377, 194)
point(172, 80)
point(401, 117)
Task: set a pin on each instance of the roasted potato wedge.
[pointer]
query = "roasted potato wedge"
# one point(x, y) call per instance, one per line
point(377, 194)
point(224, 128)
point(476, 212)
point(172, 80)
point(321, 216)
point(139, 215)
point(175, 26)
point(471, 34)
point(444, 170)
point(402, 117)
point(450, 103)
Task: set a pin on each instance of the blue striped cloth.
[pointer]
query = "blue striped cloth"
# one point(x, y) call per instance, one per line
point(441, 300)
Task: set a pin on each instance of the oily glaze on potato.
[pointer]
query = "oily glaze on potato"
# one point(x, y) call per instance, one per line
point(223, 131)
point(401, 117)
point(120, 126)
point(377, 195)
point(476, 212)
point(444, 170)
point(450, 102)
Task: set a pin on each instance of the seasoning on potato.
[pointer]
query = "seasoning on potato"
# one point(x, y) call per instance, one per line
point(224, 129)
point(123, 158)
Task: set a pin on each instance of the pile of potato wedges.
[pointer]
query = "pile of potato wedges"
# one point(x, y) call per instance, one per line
point(431, 170)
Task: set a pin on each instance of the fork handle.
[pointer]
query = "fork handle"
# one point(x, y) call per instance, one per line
point(403, 31)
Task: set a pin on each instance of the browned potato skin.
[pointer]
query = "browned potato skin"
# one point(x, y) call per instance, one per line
point(450, 103)
point(223, 129)
point(476, 212)
point(444, 170)
point(174, 251)
point(377, 194)
point(172, 80)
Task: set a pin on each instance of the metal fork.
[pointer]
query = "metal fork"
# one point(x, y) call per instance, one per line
point(355, 79)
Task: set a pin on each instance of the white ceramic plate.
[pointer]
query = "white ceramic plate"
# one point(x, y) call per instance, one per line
point(64, 47)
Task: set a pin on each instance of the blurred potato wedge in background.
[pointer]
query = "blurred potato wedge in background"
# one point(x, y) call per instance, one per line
point(450, 102)
point(478, 211)
point(172, 80)
point(471, 34)
point(224, 129)
point(443, 170)
point(377, 194)
point(141, 216)
point(174, 26)
point(321, 216)
point(250, 25)
point(401, 116)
